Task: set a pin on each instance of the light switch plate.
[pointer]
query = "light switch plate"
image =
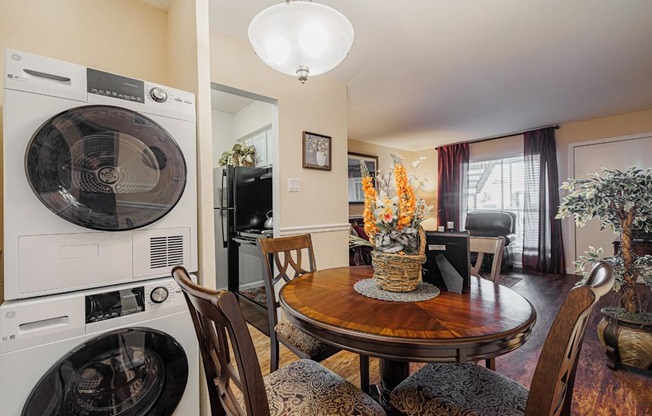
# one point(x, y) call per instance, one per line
point(294, 185)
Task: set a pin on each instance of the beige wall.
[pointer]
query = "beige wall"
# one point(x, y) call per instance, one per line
point(428, 167)
point(587, 130)
point(121, 36)
point(599, 128)
point(84, 32)
point(189, 69)
point(317, 106)
point(568, 133)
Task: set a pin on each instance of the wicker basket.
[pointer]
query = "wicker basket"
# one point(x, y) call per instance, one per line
point(399, 272)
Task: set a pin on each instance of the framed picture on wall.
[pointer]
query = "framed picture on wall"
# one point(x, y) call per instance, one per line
point(316, 151)
point(356, 194)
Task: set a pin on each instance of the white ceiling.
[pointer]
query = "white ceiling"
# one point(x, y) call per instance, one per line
point(427, 72)
point(228, 103)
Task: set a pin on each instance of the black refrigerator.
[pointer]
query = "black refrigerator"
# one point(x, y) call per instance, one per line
point(243, 202)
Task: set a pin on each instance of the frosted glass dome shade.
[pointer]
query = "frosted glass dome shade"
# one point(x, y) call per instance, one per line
point(300, 38)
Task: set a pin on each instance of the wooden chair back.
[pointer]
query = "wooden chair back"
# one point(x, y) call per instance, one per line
point(287, 254)
point(552, 384)
point(219, 324)
point(487, 245)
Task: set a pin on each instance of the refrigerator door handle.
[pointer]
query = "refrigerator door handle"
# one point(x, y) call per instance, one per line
point(222, 219)
point(224, 212)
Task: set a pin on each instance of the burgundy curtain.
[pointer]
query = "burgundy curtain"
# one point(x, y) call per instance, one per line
point(453, 168)
point(543, 248)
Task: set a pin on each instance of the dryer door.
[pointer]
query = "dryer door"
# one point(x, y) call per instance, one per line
point(127, 372)
point(105, 168)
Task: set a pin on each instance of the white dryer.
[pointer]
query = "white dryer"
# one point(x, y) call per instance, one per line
point(99, 178)
point(126, 350)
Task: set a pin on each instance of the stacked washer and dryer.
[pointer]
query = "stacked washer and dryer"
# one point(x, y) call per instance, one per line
point(99, 204)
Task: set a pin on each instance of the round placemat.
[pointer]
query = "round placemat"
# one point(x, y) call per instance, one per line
point(370, 289)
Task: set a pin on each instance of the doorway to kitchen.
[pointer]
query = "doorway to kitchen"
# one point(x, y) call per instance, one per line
point(245, 127)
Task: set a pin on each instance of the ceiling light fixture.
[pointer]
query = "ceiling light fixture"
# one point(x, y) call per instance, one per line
point(301, 38)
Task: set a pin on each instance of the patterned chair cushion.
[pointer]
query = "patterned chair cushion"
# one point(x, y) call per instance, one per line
point(300, 339)
point(459, 389)
point(306, 388)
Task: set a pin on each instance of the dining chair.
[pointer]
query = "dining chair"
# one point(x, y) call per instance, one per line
point(287, 254)
point(465, 389)
point(487, 245)
point(237, 387)
point(493, 246)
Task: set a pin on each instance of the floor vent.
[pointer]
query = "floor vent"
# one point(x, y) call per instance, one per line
point(166, 251)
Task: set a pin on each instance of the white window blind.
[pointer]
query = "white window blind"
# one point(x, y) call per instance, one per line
point(498, 185)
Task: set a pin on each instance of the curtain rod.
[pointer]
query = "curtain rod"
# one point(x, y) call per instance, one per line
point(555, 126)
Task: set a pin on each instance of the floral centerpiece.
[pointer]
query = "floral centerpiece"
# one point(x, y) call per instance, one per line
point(392, 218)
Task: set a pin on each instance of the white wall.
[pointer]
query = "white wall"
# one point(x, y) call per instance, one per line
point(253, 117)
point(223, 134)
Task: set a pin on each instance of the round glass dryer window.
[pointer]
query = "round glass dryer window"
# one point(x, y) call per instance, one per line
point(105, 168)
point(126, 372)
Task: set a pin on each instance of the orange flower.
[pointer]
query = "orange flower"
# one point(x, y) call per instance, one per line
point(407, 202)
point(369, 198)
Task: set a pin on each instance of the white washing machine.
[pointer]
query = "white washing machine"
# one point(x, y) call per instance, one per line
point(126, 350)
point(100, 180)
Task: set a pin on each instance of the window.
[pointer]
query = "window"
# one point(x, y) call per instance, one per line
point(499, 184)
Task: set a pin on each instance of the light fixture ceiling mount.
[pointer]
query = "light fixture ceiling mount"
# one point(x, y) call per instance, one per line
point(301, 38)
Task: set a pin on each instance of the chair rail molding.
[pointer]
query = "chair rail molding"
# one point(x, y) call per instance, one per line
point(312, 229)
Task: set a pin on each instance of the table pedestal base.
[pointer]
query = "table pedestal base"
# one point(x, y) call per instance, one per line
point(392, 373)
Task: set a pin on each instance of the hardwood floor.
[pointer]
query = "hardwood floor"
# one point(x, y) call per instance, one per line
point(598, 390)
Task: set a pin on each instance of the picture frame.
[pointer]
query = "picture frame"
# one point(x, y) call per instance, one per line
point(316, 151)
point(356, 194)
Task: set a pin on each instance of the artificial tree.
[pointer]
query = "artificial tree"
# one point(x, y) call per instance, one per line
point(623, 203)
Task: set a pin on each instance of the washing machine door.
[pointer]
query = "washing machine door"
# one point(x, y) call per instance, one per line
point(126, 372)
point(105, 168)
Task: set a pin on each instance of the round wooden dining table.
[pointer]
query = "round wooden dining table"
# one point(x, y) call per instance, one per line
point(485, 321)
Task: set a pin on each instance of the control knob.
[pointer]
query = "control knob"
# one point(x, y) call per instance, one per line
point(158, 94)
point(159, 294)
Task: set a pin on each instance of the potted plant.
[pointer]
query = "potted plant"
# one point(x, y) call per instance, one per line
point(239, 155)
point(622, 201)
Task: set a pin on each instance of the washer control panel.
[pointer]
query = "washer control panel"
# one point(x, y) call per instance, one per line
point(109, 305)
point(131, 300)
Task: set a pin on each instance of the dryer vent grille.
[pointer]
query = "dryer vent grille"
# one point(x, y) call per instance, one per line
point(166, 251)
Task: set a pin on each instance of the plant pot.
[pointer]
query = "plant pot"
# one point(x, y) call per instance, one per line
point(627, 343)
point(397, 272)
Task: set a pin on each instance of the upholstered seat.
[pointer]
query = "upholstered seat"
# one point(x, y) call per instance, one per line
point(236, 386)
point(306, 388)
point(459, 389)
point(470, 389)
point(303, 342)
